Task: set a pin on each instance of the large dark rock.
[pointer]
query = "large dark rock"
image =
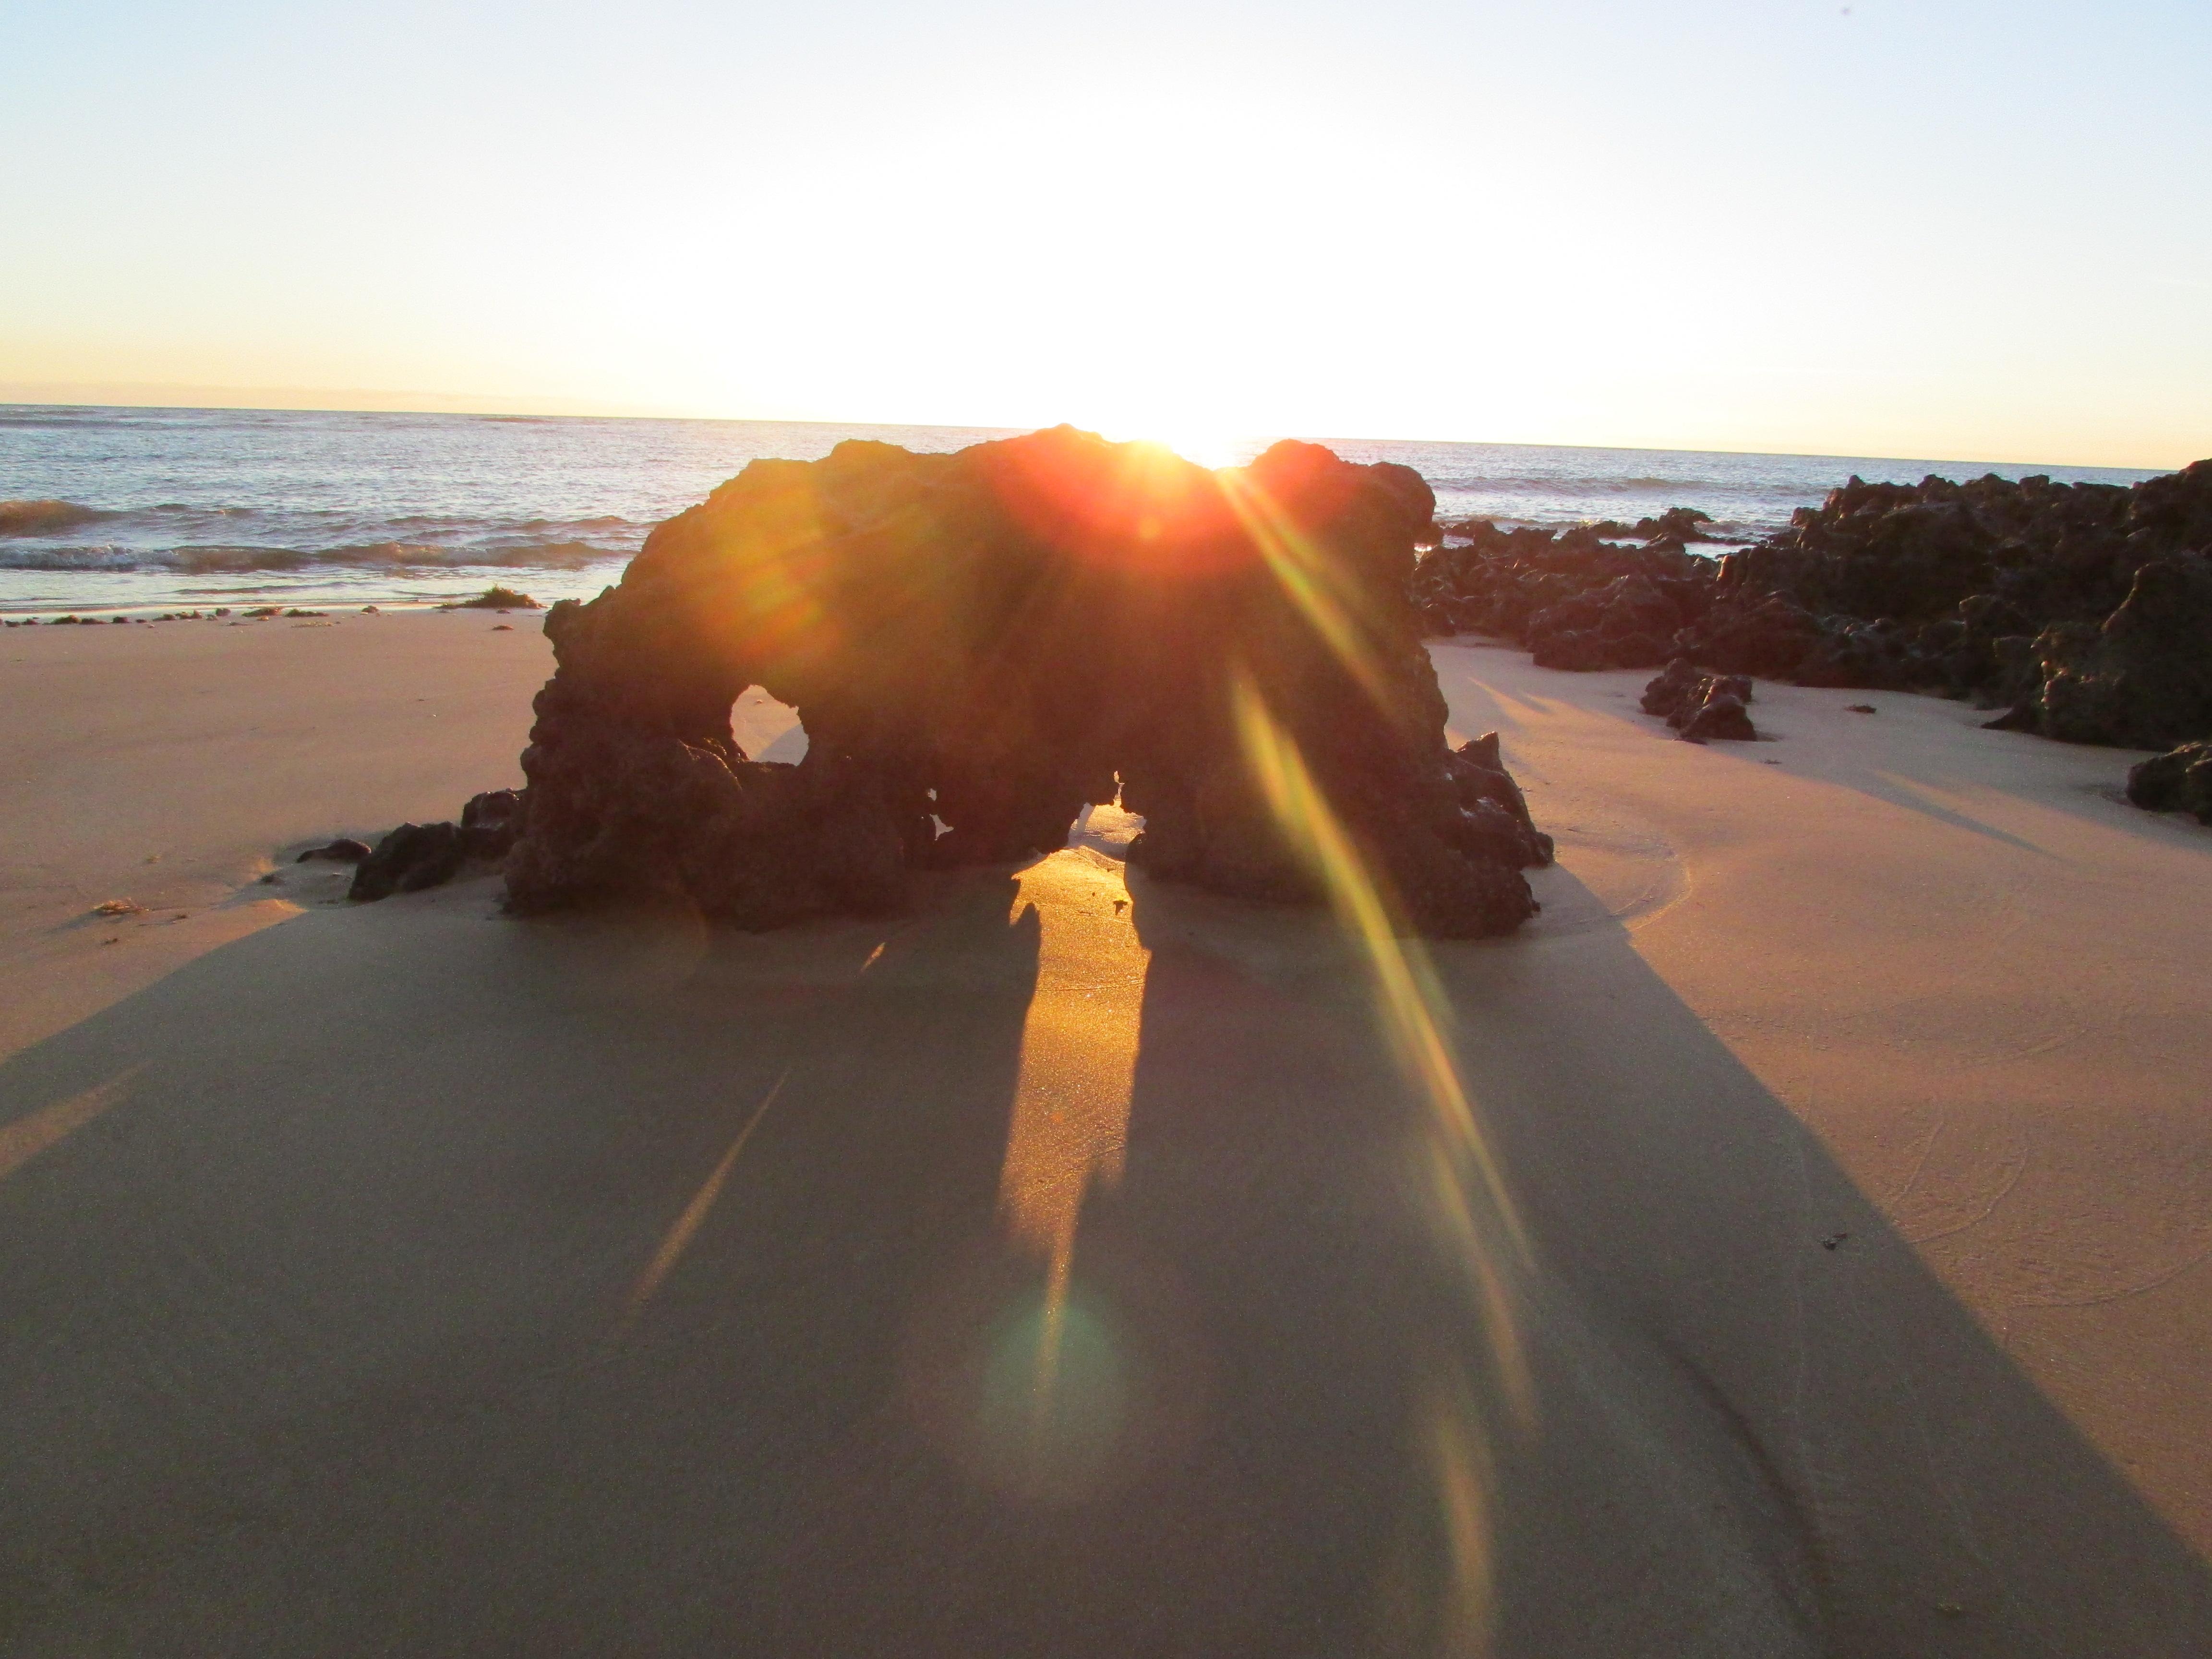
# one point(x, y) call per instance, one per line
point(411, 858)
point(987, 640)
point(2026, 594)
point(1703, 708)
point(1576, 599)
point(1498, 809)
point(2142, 679)
point(416, 856)
point(2178, 782)
point(491, 822)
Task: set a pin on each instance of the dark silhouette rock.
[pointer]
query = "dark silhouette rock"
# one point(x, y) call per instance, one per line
point(989, 641)
point(411, 858)
point(1578, 600)
point(491, 822)
point(1676, 524)
point(1627, 623)
point(1486, 789)
point(1749, 632)
point(1703, 708)
point(2009, 593)
point(344, 850)
point(494, 598)
point(2142, 679)
point(1721, 717)
point(2180, 780)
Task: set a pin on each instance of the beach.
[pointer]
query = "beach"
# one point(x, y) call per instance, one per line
point(412, 1278)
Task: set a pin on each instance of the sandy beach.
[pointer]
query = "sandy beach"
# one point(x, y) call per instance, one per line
point(410, 1279)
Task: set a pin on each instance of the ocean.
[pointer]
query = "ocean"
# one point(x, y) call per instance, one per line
point(137, 511)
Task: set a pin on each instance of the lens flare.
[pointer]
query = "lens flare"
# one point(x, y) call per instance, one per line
point(678, 1236)
point(1473, 1210)
point(1311, 579)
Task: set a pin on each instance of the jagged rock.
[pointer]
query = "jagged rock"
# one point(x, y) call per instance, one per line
point(1748, 632)
point(1579, 601)
point(2178, 782)
point(411, 858)
point(1719, 718)
point(989, 641)
point(2140, 680)
point(1486, 790)
point(1703, 708)
point(1627, 623)
point(344, 850)
point(1990, 590)
point(1676, 524)
point(1672, 689)
point(491, 822)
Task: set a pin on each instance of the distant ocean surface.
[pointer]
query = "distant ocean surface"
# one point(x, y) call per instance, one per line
point(171, 509)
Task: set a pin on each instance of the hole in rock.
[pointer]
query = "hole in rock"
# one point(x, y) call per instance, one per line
point(768, 730)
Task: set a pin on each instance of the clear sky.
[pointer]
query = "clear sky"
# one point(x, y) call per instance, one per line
point(1970, 230)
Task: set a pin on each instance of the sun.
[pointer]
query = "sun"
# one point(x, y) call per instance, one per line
point(1206, 446)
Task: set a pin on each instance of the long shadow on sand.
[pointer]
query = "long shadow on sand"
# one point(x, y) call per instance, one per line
point(327, 1332)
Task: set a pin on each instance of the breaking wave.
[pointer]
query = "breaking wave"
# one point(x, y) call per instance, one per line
point(565, 555)
point(45, 518)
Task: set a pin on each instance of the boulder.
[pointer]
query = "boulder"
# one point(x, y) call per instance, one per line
point(492, 822)
point(344, 850)
point(1703, 708)
point(989, 641)
point(2143, 679)
point(1485, 790)
point(2180, 780)
point(411, 858)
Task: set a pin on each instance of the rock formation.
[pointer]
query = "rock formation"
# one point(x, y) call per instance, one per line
point(416, 856)
point(1702, 708)
point(2142, 679)
point(1576, 599)
point(2086, 609)
point(2178, 781)
point(979, 644)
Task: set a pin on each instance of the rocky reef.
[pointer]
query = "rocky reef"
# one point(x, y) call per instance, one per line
point(978, 644)
point(2086, 609)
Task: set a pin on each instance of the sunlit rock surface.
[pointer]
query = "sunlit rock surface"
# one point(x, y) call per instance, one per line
point(979, 644)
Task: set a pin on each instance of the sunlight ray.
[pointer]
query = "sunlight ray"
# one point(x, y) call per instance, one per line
point(679, 1235)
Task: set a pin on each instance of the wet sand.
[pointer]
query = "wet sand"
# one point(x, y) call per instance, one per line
point(1061, 1267)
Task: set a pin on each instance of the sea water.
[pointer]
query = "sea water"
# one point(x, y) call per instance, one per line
point(182, 508)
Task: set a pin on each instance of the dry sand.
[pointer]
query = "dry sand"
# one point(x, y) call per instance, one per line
point(409, 1279)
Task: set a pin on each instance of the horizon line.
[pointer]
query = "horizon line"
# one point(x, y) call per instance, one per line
point(491, 405)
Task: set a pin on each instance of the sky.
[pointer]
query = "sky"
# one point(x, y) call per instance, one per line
point(1937, 228)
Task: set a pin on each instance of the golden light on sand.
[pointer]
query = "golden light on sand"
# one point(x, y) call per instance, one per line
point(28, 1136)
point(678, 1236)
point(1078, 1055)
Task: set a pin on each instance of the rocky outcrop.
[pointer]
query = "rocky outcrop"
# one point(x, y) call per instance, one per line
point(344, 850)
point(2178, 782)
point(1497, 809)
point(2143, 679)
point(416, 856)
point(411, 858)
point(2085, 609)
point(979, 645)
point(1702, 708)
point(1576, 599)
